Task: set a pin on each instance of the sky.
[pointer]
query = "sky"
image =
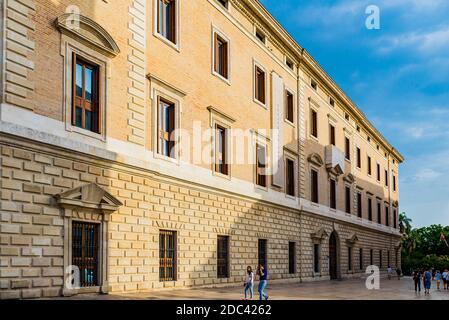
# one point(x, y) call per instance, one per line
point(398, 75)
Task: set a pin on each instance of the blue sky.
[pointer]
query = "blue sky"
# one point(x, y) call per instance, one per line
point(397, 75)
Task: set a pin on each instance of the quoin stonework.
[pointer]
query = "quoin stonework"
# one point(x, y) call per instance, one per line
point(122, 161)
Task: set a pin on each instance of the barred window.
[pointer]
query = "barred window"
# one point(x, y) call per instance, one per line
point(167, 255)
point(85, 248)
point(292, 257)
point(222, 257)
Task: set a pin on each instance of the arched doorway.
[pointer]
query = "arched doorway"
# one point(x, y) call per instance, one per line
point(333, 256)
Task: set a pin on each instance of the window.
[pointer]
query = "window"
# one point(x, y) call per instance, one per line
point(166, 127)
point(314, 123)
point(316, 258)
point(380, 258)
point(331, 135)
point(394, 183)
point(359, 158)
point(166, 19)
point(167, 255)
point(331, 102)
point(221, 54)
point(395, 219)
point(361, 259)
point(260, 83)
point(314, 84)
point(222, 257)
point(378, 172)
point(369, 139)
point(289, 63)
point(349, 258)
point(290, 175)
point(261, 178)
point(85, 105)
point(333, 194)
point(357, 128)
point(348, 199)
point(371, 257)
point(291, 257)
point(347, 149)
point(386, 178)
point(221, 165)
point(359, 204)
point(260, 36)
point(369, 165)
point(85, 248)
point(314, 186)
point(370, 209)
point(379, 213)
point(289, 106)
point(224, 3)
point(347, 117)
point(387, 216)
point(262, 252)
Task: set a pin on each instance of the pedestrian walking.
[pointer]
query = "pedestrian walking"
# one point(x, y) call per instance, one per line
point(262, 272)
point(398, 272)
point(427, 281)
point(438, 279)
point(249, 282)
point(447, 280)
point(389, 272)
point(417, 280)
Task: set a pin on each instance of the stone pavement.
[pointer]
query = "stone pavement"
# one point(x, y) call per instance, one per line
point(325, 290)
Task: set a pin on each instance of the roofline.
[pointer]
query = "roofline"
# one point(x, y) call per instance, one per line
point(304, 57)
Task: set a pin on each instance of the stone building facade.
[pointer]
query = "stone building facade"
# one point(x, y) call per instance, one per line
point(118, 155)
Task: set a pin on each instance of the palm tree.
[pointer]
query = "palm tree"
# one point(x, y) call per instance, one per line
point(405, 224)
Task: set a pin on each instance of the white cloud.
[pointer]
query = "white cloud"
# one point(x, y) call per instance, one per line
point(426, 174)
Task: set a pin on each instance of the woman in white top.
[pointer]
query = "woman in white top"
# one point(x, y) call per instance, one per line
point(249, 282)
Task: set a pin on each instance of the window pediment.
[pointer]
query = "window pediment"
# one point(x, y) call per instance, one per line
point(319, 234)
point(89, 196)
point(315, 159)
point(88, 31)
point(352, 239)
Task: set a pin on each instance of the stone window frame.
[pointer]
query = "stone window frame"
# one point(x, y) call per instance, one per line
point(289, 155)
point(256, 65)
point(317, 239)
point(176, 46)
point(288, 90)
point(218, 118)
point(314, 106)
point(161, 89)
point(91, 204)
point(217, 32)
point(260, 139)
point(69, 48)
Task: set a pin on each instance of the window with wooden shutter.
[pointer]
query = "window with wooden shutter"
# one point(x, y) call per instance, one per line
point(167, 255)
point(221, 56)
point(221, 165)
point(348, 199)
point(166, 19)
point(289, 106)
point(333, 194)
point(222, 257)
point(260, 85)
point(85, 104)
point(347, 149)
point(290, 178)
point(166, 127)
point(314, 123)
point(314, 186)
point(261, 178)
point(331, 135)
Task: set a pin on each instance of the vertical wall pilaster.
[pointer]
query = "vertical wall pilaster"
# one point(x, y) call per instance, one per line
point(18, 49)
point(136, 72)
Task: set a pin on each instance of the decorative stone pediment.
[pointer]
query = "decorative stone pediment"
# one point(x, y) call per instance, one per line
point(352, 239)
point(89, 196)
point(319, 234)
point(87, 30)
point(349, 178)
point(395, 203)
point(315, 159)
point(335, 171)
point(398, 245)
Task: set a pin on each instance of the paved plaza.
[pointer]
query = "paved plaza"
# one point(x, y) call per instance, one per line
point(325, 290)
